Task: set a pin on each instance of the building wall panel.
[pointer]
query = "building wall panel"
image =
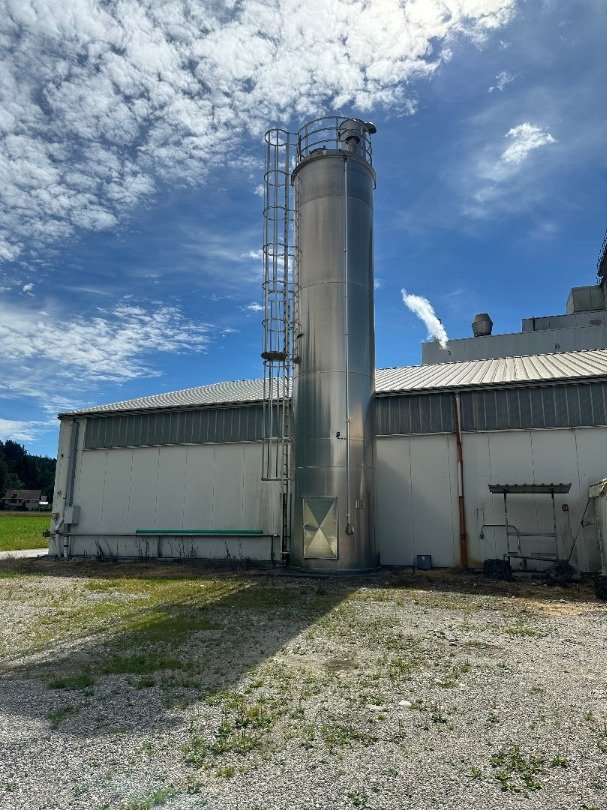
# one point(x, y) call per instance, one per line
point(394, 512)
point(143, 494)
point(417, 493)
point(89, 490)
point(116, 490)
point(195, 487)
point(199, 487)
point(170, 499)
point(417, 499)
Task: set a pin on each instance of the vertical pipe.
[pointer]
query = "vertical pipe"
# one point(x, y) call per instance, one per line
point(463, 533)
point(349, 527)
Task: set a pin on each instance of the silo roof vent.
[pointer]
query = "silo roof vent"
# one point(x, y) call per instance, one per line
point(482, 325)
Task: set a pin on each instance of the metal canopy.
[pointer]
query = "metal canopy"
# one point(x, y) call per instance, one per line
point(529, 489)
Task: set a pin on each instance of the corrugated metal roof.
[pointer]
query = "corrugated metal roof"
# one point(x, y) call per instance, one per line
point(435, 377)
point(497, 371)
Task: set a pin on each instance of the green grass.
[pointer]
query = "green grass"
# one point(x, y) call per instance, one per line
point(82, 681)
point(19, 530)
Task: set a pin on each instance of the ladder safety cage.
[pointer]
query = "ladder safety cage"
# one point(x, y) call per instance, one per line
point(278, 307)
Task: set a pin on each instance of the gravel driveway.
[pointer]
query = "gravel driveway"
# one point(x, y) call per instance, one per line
point(139, 686)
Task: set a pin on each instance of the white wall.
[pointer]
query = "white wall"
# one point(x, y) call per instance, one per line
point(187, 487)
point(417, 509)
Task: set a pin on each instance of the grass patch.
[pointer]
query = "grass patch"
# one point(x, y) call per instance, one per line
point(521, 628)
point(156, 798)
point(21, 530)
point(139, 664)
point(57, 716)
point(81, 681)
point(517, 772)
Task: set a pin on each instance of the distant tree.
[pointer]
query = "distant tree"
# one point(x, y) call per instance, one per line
point(19, 470)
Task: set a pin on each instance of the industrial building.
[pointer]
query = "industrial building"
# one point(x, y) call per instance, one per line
point(489, 448)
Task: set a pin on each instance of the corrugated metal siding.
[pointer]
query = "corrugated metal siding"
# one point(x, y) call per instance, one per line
point(523, 408)
point(555, 406)
point(427, 413)
point(159, 428)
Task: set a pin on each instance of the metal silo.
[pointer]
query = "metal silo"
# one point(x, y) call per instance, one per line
point(334, 351)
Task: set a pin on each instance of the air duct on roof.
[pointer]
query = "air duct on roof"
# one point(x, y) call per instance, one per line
point(482, 325)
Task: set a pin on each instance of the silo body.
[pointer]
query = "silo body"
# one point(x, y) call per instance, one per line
point(333, 435)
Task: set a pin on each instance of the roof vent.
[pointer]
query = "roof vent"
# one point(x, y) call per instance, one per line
point(482, 325)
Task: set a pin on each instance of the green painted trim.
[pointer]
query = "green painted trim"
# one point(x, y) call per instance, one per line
point(202, 532)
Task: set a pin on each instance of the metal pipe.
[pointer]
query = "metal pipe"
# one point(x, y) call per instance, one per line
point(463, 533)
point(349, 527)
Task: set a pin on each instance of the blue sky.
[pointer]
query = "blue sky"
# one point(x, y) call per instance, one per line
point(131, 160)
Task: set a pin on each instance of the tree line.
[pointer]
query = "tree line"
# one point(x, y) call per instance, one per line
point(20, 470)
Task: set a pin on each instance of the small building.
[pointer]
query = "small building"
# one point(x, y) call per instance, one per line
point(24, 500)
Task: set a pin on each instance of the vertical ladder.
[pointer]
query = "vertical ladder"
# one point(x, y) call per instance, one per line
point(278, 312)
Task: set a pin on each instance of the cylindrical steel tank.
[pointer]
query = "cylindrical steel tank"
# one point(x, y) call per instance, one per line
point(334, 377)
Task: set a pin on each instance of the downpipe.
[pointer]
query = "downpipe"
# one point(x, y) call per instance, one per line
point(463, 532)
point(349, 526)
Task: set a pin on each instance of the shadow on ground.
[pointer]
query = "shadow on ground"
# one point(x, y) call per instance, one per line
point(474, 583)
point(150, 638)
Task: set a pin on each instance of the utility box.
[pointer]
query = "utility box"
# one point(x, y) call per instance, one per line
point(424, 562)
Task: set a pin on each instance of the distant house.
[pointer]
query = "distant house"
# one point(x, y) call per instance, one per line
point(25, 500)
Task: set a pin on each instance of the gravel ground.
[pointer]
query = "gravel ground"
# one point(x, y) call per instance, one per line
point(140, 686)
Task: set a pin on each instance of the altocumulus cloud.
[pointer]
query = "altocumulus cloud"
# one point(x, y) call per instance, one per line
point(524, 139)
point(112, 346)
point(100, 101)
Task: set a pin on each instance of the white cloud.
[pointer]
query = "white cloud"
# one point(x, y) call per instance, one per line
point(525, 138)
point(101, 102)
point(19, 430)
point(115, 345)
point(425, 312)
point(502, 80)
point(27, 289)
point(256, 255)
point(254, 307)
point(495, 181)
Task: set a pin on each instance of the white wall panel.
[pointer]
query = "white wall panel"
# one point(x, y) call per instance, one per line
point(417, 500)
point(480, 504)
point(117, 490)
point(555, 460)
point(393, 510)
point(199, 487)
point(591, 447)
point(228, 500)
point(171, 488)
point(89, 489)
point(433, 493)
point(144, 488)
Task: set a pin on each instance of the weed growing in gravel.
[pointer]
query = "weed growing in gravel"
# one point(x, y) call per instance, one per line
point(358, 798)
point(81, 681)
point(242, 729)
point(338, 735)
point(139, 664)
point(56, 716)
point(451, 678)
point(521, 628)
point(434, 711)
point(517, 772)
point(155, 798)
